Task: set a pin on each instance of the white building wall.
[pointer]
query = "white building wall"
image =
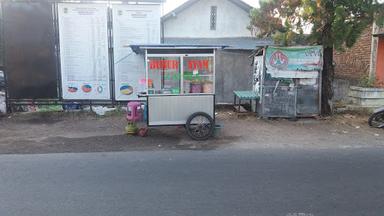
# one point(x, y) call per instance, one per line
point(194, 22)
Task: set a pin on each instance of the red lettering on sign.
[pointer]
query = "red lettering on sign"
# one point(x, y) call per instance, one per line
point(164, 64)
point(206, 64)
point(174, 64)
point(190, 65)
point(198, 64)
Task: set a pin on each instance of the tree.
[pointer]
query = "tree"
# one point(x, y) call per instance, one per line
point(335, 24)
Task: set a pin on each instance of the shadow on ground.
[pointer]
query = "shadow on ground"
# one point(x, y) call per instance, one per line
point(42, 133)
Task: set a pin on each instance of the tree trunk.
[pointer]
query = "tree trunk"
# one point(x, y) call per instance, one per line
point(328, 69)
point(327, 80)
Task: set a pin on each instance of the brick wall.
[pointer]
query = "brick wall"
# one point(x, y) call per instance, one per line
point(354, 63)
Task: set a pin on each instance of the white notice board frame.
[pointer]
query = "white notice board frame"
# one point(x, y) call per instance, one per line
point(84, 51)
point(133, 24)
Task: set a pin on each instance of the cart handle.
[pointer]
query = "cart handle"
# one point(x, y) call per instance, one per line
point(142, 94)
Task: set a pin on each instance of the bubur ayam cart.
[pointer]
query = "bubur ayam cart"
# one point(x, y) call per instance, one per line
point(181, 87)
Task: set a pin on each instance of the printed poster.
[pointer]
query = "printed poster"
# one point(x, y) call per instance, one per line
point(257, 72)
point(133, 25)
point(294, 62)
point(84, 51)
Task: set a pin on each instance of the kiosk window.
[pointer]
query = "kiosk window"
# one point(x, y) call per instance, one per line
point(164, 75)
point(198, 75)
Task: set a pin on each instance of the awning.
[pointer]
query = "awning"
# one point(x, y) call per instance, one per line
point(141, 48)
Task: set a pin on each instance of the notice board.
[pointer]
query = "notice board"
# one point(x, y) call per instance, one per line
point(83, 33)
point(132, 24)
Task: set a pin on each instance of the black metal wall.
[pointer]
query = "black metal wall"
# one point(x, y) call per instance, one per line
point(30, 59)
point(1, 38)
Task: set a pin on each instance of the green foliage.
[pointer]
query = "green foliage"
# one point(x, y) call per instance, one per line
point(367, 82)
point(331, 23)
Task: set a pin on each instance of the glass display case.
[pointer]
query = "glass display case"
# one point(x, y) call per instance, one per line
point(182, 74)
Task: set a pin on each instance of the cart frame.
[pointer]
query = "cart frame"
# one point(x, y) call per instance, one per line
point(181, 109)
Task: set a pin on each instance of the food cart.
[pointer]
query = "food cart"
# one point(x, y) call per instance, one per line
point(180, 89)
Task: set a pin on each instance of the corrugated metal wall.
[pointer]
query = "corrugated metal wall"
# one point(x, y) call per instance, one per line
point(233, 73)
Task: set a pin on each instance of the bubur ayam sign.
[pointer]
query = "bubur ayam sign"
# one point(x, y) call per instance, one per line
point(294, 58)
point(156, 64)
point(172, 64)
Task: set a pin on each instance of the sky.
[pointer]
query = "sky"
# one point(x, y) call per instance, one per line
point(172, 4)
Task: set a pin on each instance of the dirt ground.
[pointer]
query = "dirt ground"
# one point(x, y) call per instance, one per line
point(37, 133)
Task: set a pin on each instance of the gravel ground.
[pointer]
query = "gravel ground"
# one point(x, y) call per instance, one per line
point(38, 133)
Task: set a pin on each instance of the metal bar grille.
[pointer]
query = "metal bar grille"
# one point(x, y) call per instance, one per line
point(213, 17)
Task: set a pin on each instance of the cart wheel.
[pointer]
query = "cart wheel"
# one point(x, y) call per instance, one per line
point(200, 126)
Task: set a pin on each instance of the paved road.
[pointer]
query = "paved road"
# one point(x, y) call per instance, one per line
point(220, 182)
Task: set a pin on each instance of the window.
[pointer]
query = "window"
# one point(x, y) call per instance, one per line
point(164, 75)
point(213, 17)
point(198, 75)
point(180, 75)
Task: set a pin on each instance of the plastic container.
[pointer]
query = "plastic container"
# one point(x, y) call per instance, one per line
point(196, 88)
point(218, 130)
point(175, 91)
point(208, 87)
